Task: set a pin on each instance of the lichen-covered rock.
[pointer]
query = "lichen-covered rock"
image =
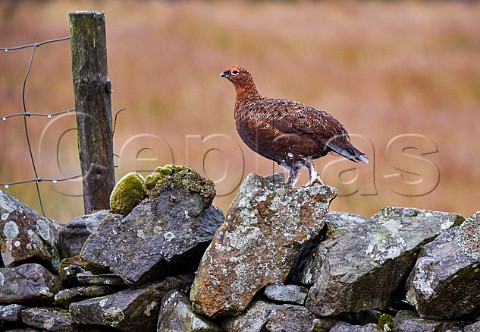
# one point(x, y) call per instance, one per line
point(445, 282)
point(361, 269)
point(165, 234)
point(134, 309)
point(408, 321)
point(127, 193)
point(257, 244)
point(288, 317)
point(324, 324)
point(75, 294)
point(253, 319)
point(176, 314)
point(286, 293)
point(76, 232)
point(110, 279)
point(385, 322)
point(181, 177)
point(26, 237)
point(345, 327)
point(28, 284)
point(9, 203)
point(338, 224)
point(68, 270)
point(10, 315)
point(264, 316)
point(475, 327)
point(50, 319)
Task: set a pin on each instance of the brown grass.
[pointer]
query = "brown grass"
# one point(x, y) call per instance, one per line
point(383, 69)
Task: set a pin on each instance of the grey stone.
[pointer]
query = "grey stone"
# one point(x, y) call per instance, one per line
point(28, 284)
point(50, 319)
point(176, 314)
point(264, 316)
point(286, 293)
point(110, 279)
point(67, 296)
point(26, 237)
point(163, 235)
point(9, 203)
point(359, 269)
point(258, 243)
point(290, 317)
point(323, 324)
point(409, 321)
point(134, 309)
point(76, 232)
point(68, 270)
point(345, 327)
point(475, 327)
point(445, 282)
point(338, 224)
point(253, 319)
point(10, 314)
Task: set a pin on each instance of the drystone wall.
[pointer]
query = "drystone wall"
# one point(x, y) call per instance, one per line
point(165, 259)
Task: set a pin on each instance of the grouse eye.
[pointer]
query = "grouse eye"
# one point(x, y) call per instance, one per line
point(235, 72)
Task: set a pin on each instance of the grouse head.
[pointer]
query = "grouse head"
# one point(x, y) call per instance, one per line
point(242, 81)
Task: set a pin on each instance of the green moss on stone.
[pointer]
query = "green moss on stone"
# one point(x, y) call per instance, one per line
point(94, 268)
point(128, 192)
point(182, 177)
point(75, 260)
point(385, 320)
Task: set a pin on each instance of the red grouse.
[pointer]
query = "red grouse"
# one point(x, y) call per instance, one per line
point(286, 131)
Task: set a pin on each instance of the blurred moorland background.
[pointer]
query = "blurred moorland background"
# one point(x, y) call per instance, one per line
point(403, 77)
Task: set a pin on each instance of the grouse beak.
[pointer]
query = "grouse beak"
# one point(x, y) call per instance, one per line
point(225, 73)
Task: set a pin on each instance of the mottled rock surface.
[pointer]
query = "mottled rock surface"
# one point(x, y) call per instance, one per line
point(360, 269)
point(253, 319)
point(88, 278)
point(323, 324)
point(26, 237)
point(290, 317)
point(258, 243)
point(345, 327)
point(28, 284)
point(445, 282)
point(475, 327)
point(265, 316)
point(75, 294)
point(165, 234)
point(68, 270)
point(286, 293)
point(76, 232)
point(338, 224)
point(10, 314)
point(9, 203)
point(50, 319)
point(134, 309)
point(409, 321)
point(176, 314)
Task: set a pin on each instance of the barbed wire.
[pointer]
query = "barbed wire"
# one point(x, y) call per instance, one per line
point(27, 114)
point(34, 45)
point(7, 185)
point(37, 114)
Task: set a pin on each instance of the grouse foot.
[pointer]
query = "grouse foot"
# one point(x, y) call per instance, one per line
point(314, 181)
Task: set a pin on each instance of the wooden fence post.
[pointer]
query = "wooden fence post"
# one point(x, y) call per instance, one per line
point(92, 90)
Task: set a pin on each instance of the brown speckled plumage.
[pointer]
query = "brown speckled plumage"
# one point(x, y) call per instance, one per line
point(286, 131)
